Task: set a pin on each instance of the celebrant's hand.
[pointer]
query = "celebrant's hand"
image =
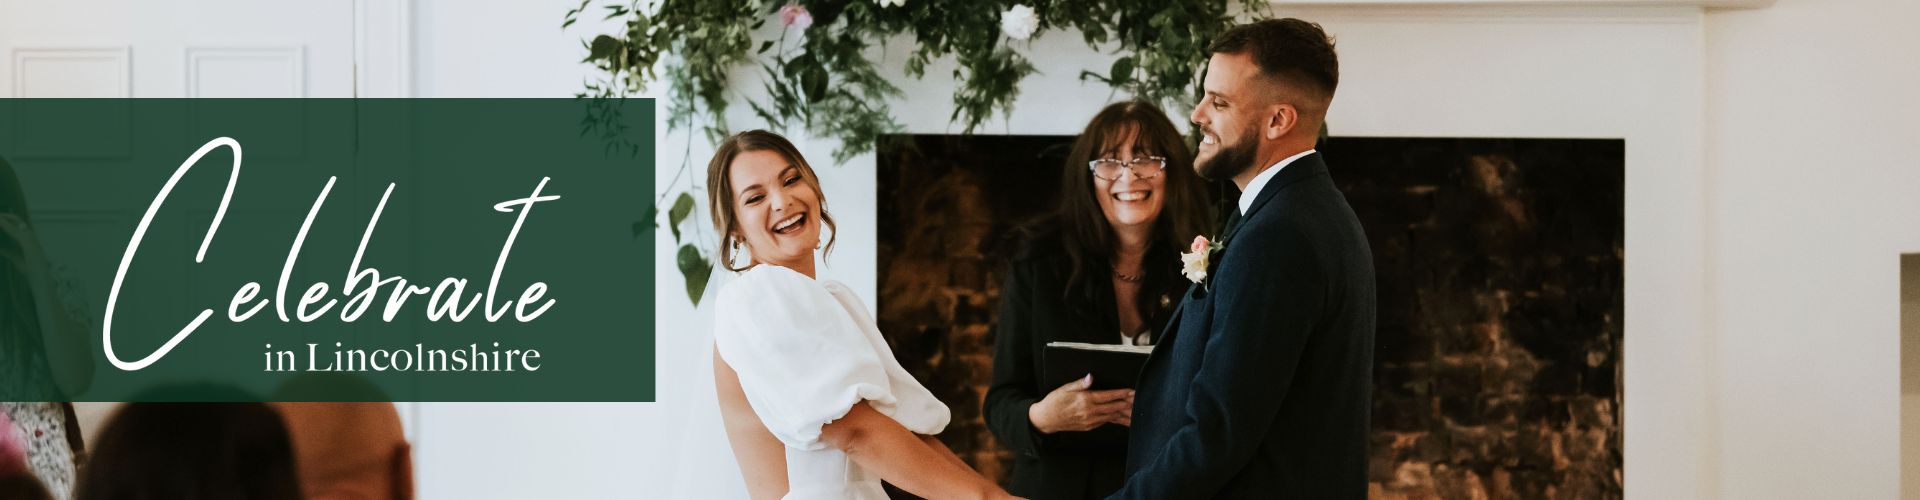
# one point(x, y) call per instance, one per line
point(1073, 407)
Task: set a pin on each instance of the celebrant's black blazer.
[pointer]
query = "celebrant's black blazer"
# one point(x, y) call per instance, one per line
point(1036, 307)
point(1260, 387)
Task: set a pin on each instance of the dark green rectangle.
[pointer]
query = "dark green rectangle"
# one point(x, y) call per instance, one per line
point(84, 173)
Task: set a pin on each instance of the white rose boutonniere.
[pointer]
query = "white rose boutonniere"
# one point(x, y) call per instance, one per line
point(1197, 260)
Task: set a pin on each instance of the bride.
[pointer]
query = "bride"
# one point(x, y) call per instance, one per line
point(814, 404)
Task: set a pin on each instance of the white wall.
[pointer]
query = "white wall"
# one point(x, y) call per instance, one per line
point(1811, 116)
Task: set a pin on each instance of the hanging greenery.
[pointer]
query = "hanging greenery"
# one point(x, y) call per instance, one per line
point(818, 72)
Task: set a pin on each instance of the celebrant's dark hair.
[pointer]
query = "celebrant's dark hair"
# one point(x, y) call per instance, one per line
point(1087, 238)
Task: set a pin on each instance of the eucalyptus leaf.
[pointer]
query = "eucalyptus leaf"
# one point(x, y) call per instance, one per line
point(1122, 70)
point(603, 46)
point(696, 269)
point(814, 83)
point(681, 207)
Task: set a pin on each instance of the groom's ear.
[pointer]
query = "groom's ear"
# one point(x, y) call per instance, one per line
point(1281, 121)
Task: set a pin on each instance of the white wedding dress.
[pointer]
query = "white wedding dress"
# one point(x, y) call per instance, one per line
point(806, 351)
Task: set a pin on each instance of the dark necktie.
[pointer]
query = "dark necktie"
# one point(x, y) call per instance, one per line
point(1233, 223)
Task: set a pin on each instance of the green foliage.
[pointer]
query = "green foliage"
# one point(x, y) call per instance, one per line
point(824, 78)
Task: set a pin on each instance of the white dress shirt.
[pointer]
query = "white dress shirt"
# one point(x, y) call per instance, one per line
point(1252, 190)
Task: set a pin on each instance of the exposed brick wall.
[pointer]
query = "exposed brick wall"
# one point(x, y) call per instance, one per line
point(1497, 373)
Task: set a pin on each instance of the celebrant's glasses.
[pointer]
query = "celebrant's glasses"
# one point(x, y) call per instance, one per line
point(1143, 167)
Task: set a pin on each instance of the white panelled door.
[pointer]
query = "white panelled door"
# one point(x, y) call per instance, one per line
point(188, 48)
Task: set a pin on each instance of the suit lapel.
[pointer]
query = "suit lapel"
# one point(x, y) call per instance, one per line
point(1306, 167)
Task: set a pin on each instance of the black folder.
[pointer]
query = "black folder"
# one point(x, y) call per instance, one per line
point(1113, 366)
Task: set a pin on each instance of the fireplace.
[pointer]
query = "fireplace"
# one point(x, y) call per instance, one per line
point(1498, 362)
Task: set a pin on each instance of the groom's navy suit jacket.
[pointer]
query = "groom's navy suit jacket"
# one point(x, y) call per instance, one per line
point(1260, 386)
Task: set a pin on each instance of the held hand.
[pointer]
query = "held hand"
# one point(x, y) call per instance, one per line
point(1073, 407)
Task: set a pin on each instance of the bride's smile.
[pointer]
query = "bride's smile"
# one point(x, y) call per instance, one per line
point(778, 210)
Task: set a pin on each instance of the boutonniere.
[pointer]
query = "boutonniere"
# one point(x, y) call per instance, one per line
point(1198, 259)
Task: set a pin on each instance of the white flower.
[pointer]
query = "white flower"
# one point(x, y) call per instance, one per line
point(1196, 268)
point(1196, 261)
point(1019, 22)
point(891, 3)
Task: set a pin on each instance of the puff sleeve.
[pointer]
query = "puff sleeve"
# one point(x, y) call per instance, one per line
point(803, 362)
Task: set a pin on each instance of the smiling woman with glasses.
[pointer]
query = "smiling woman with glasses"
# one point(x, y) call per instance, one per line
point(1104, 268)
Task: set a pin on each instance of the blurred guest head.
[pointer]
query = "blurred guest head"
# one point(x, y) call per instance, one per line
point(1268, 85)
point(21, 485)
point(192, 450)
point(346, 450)
point(765, 197)
point(1128, 172)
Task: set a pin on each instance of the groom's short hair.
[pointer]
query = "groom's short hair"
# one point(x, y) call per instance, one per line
point(1294, 53)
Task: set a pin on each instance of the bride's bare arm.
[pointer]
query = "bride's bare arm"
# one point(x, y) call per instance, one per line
point(763, 460)
point(881, 445)
point(945, 452)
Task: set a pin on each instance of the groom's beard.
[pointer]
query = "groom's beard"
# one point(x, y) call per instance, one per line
point(1227, 162)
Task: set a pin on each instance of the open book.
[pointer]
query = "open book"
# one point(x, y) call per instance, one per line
point(1113, 366)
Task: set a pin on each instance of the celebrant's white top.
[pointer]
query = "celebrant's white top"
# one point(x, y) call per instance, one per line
point(806, 352)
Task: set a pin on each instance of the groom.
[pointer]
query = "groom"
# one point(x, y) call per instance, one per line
point(1260, 385)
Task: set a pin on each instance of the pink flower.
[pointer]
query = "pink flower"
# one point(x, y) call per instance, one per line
point(1199, 244)
point(794, 15)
